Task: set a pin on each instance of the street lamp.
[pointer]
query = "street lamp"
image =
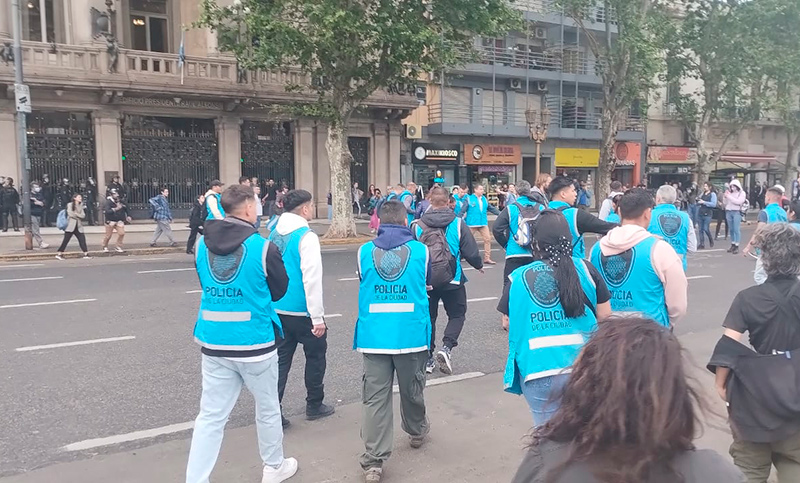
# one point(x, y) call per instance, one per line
point(537, 125)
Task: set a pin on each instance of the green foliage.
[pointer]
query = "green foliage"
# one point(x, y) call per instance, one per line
point(353, 48)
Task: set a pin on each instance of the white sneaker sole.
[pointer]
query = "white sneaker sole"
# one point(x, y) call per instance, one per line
point(282, 476)
point(444, 363)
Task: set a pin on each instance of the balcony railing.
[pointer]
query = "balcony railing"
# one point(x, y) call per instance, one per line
point(539, 6)
point(520, 57)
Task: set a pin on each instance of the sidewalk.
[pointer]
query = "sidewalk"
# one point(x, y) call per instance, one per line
point(478, 434)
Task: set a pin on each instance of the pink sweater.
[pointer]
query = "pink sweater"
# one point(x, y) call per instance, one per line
point(734, 199)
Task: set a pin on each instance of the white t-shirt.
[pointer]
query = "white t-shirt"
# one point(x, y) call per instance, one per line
point(259, 206)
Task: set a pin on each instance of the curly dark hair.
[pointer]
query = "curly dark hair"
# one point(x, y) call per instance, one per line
point(628, 406)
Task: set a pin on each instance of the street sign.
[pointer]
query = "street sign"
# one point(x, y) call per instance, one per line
point(23, 96)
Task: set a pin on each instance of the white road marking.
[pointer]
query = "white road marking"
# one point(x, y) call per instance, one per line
point(167, 270)
point(58, 302)
point(445, 380)
point(332, 316)
point(23, 265)
point(482, 299)
point(30, 279)
point(135, 259)
point(349, 279)
point(124, 438)
point(712, 250)
point(330, 250)
point(194, 291)
point(695, 277)
point(485, 267)
point(72, 344)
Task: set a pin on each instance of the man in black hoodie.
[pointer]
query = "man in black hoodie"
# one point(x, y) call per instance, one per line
point(453, 294)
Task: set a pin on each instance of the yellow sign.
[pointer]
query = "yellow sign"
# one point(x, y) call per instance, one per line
point(577, 158)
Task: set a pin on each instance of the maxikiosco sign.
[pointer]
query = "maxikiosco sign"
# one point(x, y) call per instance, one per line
point(435, 153)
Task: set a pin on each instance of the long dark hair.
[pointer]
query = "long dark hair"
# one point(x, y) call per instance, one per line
point(553, 246)
point(627, 407)
point(73, 200)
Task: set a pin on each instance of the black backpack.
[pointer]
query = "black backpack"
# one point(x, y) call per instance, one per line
point(442, 261)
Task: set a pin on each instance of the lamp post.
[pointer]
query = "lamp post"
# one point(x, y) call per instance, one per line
point(537, 125)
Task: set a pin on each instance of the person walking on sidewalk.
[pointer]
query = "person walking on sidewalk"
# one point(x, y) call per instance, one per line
point(557, 286)
point(628, 415)
point(448, 240)
point(474, 211)
point(10, 200)
point(116, 214)
point(562, 198)
point(707, 202)
point(672, 225)
point(735, 200)
point(760, 386)
point(75, 216)
point(37, 210)
point(242, 275)
point(163, 217)
point(213, 207)
point(301, 310)
point(196, 222)
point(392, 337)
point(644, 273)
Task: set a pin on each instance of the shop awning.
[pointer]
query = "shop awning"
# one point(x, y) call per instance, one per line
point(748, 158)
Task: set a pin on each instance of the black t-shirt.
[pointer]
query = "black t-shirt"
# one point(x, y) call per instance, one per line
point(770, 313)
point(603, 295)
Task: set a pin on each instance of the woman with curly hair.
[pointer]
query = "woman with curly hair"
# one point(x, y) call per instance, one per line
point(550, 308)
point(627, 415)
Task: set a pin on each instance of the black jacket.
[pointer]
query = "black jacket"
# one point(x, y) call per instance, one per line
point(223, 237)
point(114, 215)
point(588, 223)
point(37, 210)
point(10, 197)
point(763, 391)
point(440, 218)
point(196, 216)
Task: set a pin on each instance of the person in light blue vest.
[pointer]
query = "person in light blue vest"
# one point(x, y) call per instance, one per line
point(562, 198)
point(213, 205)
point(405, 196)
point(672, 225)
point(772, 213)
point(550, 308)
point(506, 228)
point(393, 333)
point(241, 275)
point(475, 215)
point(613, 214)
point(301, 310)
point(645, 274)
point(460, 196)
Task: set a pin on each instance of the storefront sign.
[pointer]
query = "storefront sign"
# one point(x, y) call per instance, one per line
point(495, 169)
point(430, 152)
point(577, 158)
point(627, 154)
point(509, 154)
point(671, 155)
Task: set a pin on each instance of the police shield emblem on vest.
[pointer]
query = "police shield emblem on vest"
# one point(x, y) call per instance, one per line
point(617, 267)
point(224, 268)
point(670, 223)
point(542, 286)
point(391, 264)
point(280, 241)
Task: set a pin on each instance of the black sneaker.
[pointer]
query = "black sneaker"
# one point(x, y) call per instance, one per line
point(735, 249)
point(443, 358)
point(285, 422)
point(321, 411)
point(430, 366)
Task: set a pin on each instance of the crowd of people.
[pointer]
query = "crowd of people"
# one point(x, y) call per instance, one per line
point(591, 344)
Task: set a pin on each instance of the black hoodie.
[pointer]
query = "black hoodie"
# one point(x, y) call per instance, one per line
point(440, 218)
point(225, 236)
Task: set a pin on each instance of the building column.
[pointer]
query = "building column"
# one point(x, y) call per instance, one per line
point(304, 156)
point(379, 155)
point(229, 145)
point(107, 147)
point(9, 163)
point(322, 169)
point(391, 170)
point(5, 19)
point(81, 19)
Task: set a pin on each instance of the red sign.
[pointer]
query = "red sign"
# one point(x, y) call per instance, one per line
point(671, 155)
point(627, 154)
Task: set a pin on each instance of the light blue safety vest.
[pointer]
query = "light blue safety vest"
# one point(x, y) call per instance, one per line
point(236, 311)
point(775, 213)
point(673, 226)
point(453, 235)
point(633, 282)
point(401, 198)
point(571, 214)
point(476, 211)
point(542, 341)
point(210, 215)
point(460, 201)
point(294, 301)
point(613, 218)
point(513, 249)
point(393, 316)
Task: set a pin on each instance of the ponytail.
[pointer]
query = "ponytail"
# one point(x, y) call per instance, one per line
point(570, 289)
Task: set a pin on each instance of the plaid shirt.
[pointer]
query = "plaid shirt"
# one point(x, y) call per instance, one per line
point(161, 211)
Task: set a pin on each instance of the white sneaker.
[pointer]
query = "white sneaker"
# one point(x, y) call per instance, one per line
point(286, 470)
point(87, 257)
point(59, 257)
point(44, 245)
point(119, 250)
point(105, 249)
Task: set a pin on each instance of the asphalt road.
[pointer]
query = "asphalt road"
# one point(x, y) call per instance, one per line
point(148, 375)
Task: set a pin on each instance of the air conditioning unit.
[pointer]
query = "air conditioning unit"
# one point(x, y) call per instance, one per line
point(413, 131)
point(435, 77)
point(515, 84)
point(540, 33)
point(541, 86)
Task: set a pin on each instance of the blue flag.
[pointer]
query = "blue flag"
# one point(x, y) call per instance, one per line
point(181, 51)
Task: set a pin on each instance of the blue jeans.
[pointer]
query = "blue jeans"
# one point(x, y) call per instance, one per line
point(330, 212)
point(222, 383)
point(693, 209)
point(705, 227)
point(538, 394)
point(734, 219)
